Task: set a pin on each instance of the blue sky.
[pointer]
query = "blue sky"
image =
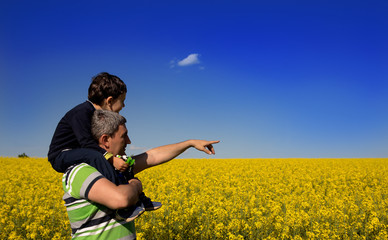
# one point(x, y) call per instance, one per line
point(270, 79)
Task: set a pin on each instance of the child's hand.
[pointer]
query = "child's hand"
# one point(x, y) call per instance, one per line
point(119, 164)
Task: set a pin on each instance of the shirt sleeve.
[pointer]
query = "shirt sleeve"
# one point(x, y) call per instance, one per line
point(80, 179)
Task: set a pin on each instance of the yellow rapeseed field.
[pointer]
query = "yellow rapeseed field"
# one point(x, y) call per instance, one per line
point(218, 199)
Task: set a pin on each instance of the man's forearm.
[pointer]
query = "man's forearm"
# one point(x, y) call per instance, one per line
point(165, 153)
point(131, 191)
point(108, 194)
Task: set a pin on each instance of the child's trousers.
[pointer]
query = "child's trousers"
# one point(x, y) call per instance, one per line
point(92, 157)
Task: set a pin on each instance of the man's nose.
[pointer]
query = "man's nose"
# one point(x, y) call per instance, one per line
point(127, 140)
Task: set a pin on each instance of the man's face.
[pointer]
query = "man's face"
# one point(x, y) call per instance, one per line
point(119, 141)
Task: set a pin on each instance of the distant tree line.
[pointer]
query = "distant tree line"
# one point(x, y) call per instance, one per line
point(23, 155)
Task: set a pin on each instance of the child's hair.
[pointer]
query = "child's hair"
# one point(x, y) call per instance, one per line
point(105, 85)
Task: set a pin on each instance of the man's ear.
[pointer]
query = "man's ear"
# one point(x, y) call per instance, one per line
point(105, 141)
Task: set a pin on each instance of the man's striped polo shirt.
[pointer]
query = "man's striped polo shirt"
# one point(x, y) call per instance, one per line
point(90, 220)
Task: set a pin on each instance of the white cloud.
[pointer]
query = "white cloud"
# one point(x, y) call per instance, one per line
point(189, 60)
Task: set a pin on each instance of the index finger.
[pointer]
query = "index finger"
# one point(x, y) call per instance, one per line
point(211, 149)
point(210, 146)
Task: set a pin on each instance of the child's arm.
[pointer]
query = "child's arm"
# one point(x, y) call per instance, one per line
point(117, 162)
point(120, 164)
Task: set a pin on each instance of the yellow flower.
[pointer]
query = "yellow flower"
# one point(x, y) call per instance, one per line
point(218, 199)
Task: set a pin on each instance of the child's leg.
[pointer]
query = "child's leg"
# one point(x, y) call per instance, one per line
point(89, 156)
point(148, 204)
point(143, 199)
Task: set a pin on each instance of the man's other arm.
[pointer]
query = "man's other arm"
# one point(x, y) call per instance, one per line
point(108, 194)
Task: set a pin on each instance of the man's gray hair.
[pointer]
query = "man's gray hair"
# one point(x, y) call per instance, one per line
point(106, 122)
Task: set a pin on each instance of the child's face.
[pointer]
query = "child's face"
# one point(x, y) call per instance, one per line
point(118, 103)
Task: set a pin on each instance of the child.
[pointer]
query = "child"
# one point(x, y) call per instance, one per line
point(73, 143)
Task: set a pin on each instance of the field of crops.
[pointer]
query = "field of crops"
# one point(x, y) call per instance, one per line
point(218, 199)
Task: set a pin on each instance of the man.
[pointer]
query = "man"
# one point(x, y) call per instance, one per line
point(91, 199)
